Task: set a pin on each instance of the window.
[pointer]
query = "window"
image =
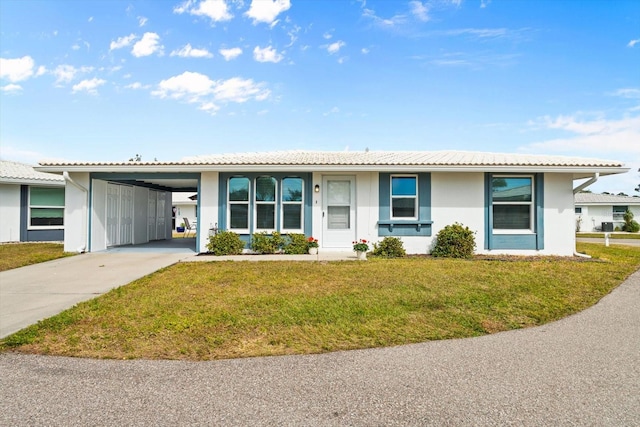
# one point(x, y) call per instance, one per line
point(265, 198)
point(513, 203)
point(46, 207)
point(618, 212)
point(238, 203)
point(259, 203)
point(578, 209)
point(404, 197)
point(292, 204)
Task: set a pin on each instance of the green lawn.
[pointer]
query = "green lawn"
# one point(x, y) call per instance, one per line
point(215, 310)
point(614, 235)
point(14, 255)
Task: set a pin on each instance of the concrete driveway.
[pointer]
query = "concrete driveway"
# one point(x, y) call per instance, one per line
point(35, 292)
point(581, 371)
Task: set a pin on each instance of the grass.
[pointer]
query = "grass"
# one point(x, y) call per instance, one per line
point(14, 255)
point(216, 310)
point(614, 235)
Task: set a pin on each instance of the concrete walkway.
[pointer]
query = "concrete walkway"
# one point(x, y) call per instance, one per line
point(583, 370)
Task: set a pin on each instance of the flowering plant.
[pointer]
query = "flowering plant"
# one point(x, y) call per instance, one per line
point(360, 246)
point(312, 243)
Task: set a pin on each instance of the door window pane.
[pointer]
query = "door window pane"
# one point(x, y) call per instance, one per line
point(339, 192)
point(338, 217)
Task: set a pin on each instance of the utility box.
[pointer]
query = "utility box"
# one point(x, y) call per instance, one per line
point(607, 226)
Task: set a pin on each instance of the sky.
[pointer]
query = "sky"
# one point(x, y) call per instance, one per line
point(106, 80)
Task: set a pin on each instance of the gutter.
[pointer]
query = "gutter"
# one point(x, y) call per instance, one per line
point(587, 183)
point(68, 179)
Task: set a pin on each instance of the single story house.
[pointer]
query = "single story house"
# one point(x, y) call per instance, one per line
point(31, 204)
point(184, 206)
point(593, 210)
point(516, 204)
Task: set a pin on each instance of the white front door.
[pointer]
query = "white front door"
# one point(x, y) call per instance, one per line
point(119, 215)
point(338, 211)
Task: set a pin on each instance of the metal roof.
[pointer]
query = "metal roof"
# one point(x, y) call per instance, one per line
point(21, 173)
point(604, 199)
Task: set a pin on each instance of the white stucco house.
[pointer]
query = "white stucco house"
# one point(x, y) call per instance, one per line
point(31, 204)
point(593, 210)
point(516, 204)
point(184, 205)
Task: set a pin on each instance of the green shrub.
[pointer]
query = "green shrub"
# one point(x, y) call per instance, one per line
point(296, 243)
point(454, 241)
point(264, 243)
point(225, 243)
point(630, 225)
point(389, 247)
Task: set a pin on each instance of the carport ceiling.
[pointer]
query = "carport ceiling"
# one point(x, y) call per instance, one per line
point(165, 184)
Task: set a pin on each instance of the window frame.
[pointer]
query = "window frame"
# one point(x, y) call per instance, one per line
point(31, 207)
point(257, 202)
point(299, 203)
point(416, 205)
point(237, 202)
point(531, 203)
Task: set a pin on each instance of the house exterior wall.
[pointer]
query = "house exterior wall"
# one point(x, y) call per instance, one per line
point(458, 197)
point(594, 215)
point(559, 233)
point(208, 207)
point(10, 213)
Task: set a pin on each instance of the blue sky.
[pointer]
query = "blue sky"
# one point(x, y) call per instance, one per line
point(105, 80)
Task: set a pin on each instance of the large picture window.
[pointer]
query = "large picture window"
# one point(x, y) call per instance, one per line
point(404, 197)
point(513, 203)
point(257, 203)
point(46, 207)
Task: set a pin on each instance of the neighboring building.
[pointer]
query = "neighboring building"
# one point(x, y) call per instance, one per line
point(592, 210)
point(31, 204)
point(516, 204)
point(184, 206)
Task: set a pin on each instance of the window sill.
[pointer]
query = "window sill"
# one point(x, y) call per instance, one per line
point(518, 232)
point(390, 223)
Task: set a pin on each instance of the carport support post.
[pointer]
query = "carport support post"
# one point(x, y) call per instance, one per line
point(606, 239)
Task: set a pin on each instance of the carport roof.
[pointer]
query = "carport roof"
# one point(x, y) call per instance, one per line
point(359, 161)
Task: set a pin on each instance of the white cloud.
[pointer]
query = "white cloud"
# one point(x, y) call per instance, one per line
point(419, 10)
point(17, 69)
point(231, 53)
point(334, 110)
point(632, 43)
point(268, 54)
point(597, 135)
point(365, 50)
point(11, 88)
point(335, 47)
point(196, 88)
point(90, 19)
point(216, 10)
point(121, 42)
point(267, 10)
point(386, 23)
point(189, 52)
point(148, 45)
point(632, 93)
point(142, 21)
point(137, 86)
point(89, 86)
point(41, 71)
point(65, 73)
point(327, 35)
point(75, 47)
point(484, 3)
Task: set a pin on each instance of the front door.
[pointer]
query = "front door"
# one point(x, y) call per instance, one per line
point(338, 211)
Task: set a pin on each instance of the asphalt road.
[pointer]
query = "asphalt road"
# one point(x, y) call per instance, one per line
point(581, 371)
